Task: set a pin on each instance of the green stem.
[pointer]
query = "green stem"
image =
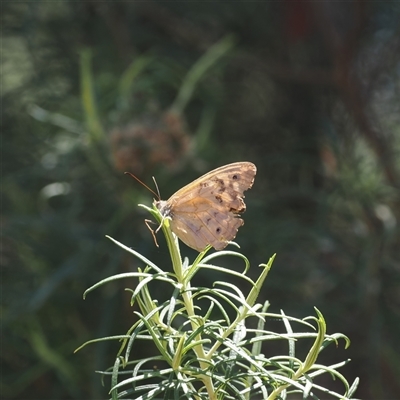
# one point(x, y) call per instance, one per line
point(173, 246)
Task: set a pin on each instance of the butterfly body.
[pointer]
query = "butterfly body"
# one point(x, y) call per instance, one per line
point(207, 210)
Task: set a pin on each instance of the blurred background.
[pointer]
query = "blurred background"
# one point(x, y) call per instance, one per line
point(308, 91)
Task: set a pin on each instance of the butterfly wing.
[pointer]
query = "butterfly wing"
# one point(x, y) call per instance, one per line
point(200, 228)
point(206, 211)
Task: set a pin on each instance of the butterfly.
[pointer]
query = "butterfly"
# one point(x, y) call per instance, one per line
point(206, 211)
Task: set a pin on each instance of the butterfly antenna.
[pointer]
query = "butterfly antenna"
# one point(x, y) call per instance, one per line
point(152, 191)
point(158, 190)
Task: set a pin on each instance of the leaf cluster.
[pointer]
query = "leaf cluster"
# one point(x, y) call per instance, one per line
point(201, 351)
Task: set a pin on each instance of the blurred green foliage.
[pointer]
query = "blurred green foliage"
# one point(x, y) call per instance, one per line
point(306, 91)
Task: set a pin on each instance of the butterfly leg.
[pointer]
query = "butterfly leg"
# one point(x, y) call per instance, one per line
point(153, 233)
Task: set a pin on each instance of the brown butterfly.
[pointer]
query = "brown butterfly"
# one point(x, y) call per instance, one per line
point(206, 211)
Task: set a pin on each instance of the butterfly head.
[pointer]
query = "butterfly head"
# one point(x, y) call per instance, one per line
point(164, 207)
